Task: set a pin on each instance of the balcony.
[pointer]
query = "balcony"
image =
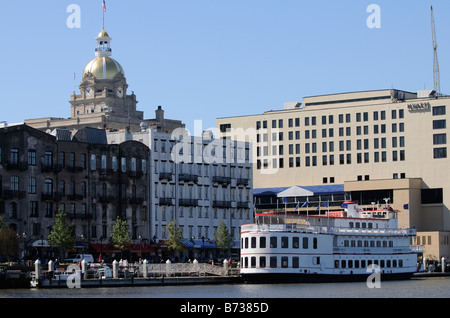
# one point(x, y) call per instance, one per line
point(165, 176)
point(165, 201)
point(21, 166)
point(74, 169)
point(188, 177)
point(13, 194)
point(242, 181)
point(51, 168)
point(242, 205)
point(80, 216)
point(222, 180)
point(75, 197)
point(51, 196)
point(106, 199)
point(188, 202)
point(221, 204)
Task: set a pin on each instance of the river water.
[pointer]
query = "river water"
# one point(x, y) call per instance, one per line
point(430, 287)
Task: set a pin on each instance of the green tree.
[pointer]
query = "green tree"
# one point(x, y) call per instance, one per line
point(222, 237)
point(119, 235)
point(9, 241)
point(175, 237)
point(62, 234)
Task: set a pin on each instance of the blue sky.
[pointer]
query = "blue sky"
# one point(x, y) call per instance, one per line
point(204, 59)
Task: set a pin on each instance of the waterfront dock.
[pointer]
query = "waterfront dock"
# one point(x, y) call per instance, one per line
point(102, 275)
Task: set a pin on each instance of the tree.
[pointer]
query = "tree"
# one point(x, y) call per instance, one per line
point(175, 237)
point(222, 237)
point(120, 236)
point(9, 241)
point(62, 234)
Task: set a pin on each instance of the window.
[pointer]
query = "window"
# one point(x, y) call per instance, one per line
point(31, 185)
point(14, 186)
point(253, 242)
point(295, 242)
point(273, 261)
point(262, 242)
point(438, 110)
point(32, 157)
point(14, 156)
point(439, 124)
point(93, 162)
point(431, 196)
point(284, 262)
point(273, 242)
point(305, 242)
point(284, 242)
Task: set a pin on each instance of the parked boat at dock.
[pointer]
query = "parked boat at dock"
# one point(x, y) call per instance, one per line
point(346, 245)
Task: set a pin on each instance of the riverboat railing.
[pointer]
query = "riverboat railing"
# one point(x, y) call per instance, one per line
point(326, 229)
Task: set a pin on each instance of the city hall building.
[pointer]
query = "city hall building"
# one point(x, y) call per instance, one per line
point(372, 146)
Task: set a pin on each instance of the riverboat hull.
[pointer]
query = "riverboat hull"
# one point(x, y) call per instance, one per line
point(278, 278)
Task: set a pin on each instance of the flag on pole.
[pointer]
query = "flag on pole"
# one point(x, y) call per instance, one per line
point(298, 205)
point(325, 204)
point(104, 6)
point(284, 200)
point(305, 204)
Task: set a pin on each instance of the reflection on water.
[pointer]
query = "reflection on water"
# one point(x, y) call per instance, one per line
point(437, 287)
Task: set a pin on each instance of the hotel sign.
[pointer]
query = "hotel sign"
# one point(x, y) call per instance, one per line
point(419, 106)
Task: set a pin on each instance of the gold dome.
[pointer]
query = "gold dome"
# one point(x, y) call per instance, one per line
point(103, 67)
point(103, 34)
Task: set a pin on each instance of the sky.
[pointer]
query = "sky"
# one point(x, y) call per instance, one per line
point(205, 59)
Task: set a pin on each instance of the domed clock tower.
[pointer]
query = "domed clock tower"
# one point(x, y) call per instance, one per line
point(103, 92)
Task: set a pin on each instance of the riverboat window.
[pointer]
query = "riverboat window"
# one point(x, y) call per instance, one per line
point(336, 263)
point(245, 261)
point(262, 261)
point(363, 263)
point(262, 242)
point(273, 242)
point(350, 263)
point(366, 243)
point(295, 242)
point(391, 244)
point(360, 243)
point(369, 225)
point(253, 242)
point(284, 242)
point(273, 261)
point(363, 225)
point(295, 262)
point(357, 225)
point(385, 243)
point(315, 242)
point(305, 242)
point(372, 243)
point(346, 243)
point(353, 243)
point(357, 263)
point(284, 262)
point(378, 243)
point(246, 243)
point(382, 263)
point(350, 224)
point(343, 264)
point(400, 263)
point(253, 261)
point(394, 263)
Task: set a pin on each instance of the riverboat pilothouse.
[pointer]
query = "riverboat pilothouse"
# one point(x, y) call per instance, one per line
point(346, 245)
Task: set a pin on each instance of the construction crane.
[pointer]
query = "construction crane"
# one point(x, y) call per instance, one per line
point(436, 76)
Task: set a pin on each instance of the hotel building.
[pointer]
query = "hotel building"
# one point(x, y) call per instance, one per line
point(367, 146)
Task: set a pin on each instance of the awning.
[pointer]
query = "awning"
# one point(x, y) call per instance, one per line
point(79, 244)
point(199, 243)
point(41, 243)
point(133, 248)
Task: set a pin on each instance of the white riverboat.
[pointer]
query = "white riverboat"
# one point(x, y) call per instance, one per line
point(345, 245)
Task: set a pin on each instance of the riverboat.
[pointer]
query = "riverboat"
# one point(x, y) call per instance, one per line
point(345, 245)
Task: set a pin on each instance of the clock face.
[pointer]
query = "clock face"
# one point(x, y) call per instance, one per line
point(120, 91)
point(89, 91)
